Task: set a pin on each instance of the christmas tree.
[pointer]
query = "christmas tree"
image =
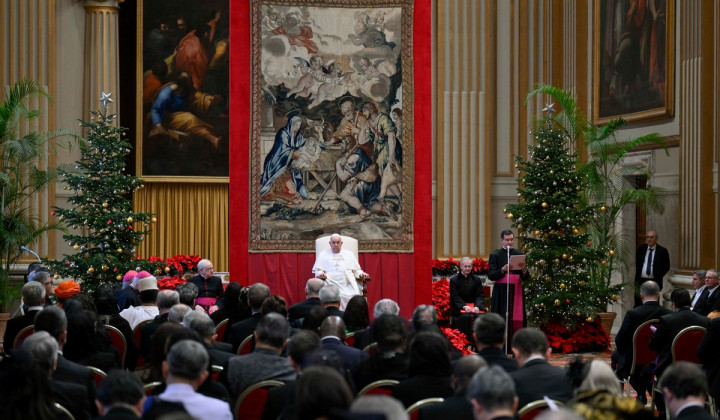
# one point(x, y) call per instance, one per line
point(552, 218)
point(102, 208)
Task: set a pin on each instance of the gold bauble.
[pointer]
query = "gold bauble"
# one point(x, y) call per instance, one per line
point(537, 232)
point(552, 172)
point(614, 298)
point(118, 277)
point(604, 263)
point(556, 261)
point(575, 231)
point(590, 319)
point(564, 256)
point(510, 216)
point(557, 302)
point(611, 252)
point(120, 250)
point(167, 269)
point(56, 276)
point(91, 270)
point(603, 208)
point(129, 219)
point(581, 283)
point(105, 205)
point(544, 204)
point(76, 247)
point(570, 258)
point(562, 286)
point(105, 268)
point(154, 219)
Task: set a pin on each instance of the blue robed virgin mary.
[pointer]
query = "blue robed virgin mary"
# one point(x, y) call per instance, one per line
point(287, 140)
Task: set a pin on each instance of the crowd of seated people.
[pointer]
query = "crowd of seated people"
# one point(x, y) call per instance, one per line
point(187, 368)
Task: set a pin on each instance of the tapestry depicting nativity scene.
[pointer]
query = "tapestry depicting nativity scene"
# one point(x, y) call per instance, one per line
point(331, 147)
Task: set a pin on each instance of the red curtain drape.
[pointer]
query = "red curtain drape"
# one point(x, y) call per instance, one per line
point(403, 277)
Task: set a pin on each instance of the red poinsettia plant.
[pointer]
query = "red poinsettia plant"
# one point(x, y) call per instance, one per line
point(177, 265)
point(458, 340)
point(450, 266)
point(441, 300)
point(585, 337)
point(170, 283)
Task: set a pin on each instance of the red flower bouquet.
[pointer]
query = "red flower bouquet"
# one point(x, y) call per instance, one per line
point(170, 283)
point(441, 300)
point(480, 266)
point(445, 267)
point(458, 340)
point(586, 337)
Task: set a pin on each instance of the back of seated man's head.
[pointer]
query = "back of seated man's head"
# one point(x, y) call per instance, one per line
point(333, 326)
point(178, 312)
point(33, 293)
point(53, 320)
point(389, 333)
point(187, 293)
point(491, 389)
point(274, 303)
point(201, 323)
point(385, 307)
point(301, 345)
point(166, 299)
point(489, 330)
point(530, 342)
point(41, 275)
point(273, 330)
point(684, 380)
point(314, 318)
point(680, 298)
point(38, 268)
point(187, 359)
point(121, 388)
point(256, 295)
point(313, 286)
point(43, 349)
point(386, 405)
point(424, 315)
point(464, 370)
point(330, 295)
point(650, 290)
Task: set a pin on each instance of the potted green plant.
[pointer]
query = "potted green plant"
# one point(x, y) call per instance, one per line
point(606, 186)
point(20, 178)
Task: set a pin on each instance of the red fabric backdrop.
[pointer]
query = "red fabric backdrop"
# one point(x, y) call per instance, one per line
point(403, 277)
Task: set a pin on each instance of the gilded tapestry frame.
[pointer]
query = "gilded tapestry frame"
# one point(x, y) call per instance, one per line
point(634, 72)
point(193, 146)
point(290, 207)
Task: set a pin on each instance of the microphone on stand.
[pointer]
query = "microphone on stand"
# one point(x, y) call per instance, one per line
point(507, 301)
point(26, 249)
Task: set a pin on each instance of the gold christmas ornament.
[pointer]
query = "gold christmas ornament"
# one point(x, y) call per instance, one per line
point(562, 286)
point(120, 250)
point(552, 172)
point(590, 319)
point(154, 219)
point(611, 252)
point(56, 276)
point(614, 298)
point(564, 256)
point(575, 231)
point(167, 269)
point(510, 216)
point(105, 205)
point(76, 247)
point(105, 268)
point(557, 302)
point(91, 270)
point(129, 219)
point(544, 205)
point(581, 283)
point(603, 208)
point(118, 277)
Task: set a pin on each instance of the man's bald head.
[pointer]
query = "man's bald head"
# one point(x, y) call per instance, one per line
point(333, 325)
point(313, 286)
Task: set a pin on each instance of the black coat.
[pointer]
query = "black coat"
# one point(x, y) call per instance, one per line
point(695, 412)
point(668, 328)
point(72, 396)
point(538, 378)
point(624, 338)
point(660, 263)
point(147, 331)
point(14, 325)
point(705, 305)
point(419, 387)
point(301, 310)
point(456, 407)
point(243, 329)
point(708, 353)
point(466, 289)
point(498, 357)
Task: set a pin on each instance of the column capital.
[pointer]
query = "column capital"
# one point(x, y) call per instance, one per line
point(102, 3)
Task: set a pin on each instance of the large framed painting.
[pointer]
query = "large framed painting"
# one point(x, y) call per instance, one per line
point(634, 59)
point(331, 124)
point(182, 100)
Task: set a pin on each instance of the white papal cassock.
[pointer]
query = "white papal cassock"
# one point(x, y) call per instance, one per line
point(342, 269)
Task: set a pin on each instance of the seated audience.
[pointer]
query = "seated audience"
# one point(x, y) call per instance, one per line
point(708, 356)
point(332, 335)
point(203, 325)
point(257, 293)
point(390, 361)
point(235, 308)
point(45, 277)
point(129, 295)
point(274, 303)
point(489, 335)
point(684, 388)
point(108, 314)
point(166, 299)
point(429, 371)
point(44, 352)
point(83, 344)
point(536, 378)
point(709, 300)
point(33, 294)
point(66, 290)
point(599, 394)
point(314, 318)
point(265, 362)
point(152, 370)
point(300, 310)
point(457, 406)
point(364, 338)
point(188, 293)
point(357, 314)
point(492, 394)
point(178, 312)
point(184, 370)
point(148, 309)
point(120, 396)
point(381, 404)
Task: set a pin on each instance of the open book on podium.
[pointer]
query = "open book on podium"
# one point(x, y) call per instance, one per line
point(516, 262)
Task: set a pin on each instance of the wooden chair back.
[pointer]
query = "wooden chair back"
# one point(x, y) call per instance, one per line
point(117, 340)
point(220, 330)
point(98, 375)
point(414, 409)
point(22, 335)
point(246, 345)
point(685, 344)
point(381, 387)
point(250, 403)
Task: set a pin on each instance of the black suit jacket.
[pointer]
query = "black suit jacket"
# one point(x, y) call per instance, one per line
point(709, 304)
point(660, 263)
point(466, 289)
point(419, 387)
point(14, 325)
point(240, 330)
point(279, 399)
point(669, 327)
point(335, 311)
point(68, 371)
point(456, 407)
point(128, 297)
point(73, 397)
point(695, 412)
point(119, 413)
point(350, 355)
point(633, 319)
point(498, 357)
point(301, 310)
point(147, 331)
point(707, 351)
point(538, 378)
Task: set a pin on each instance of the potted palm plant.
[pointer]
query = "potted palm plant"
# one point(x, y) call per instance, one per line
point(607, 186)
point(20, 178)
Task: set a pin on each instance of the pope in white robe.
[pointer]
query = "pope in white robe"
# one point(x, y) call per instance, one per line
point(341, 268)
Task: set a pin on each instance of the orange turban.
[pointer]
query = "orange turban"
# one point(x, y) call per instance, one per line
point(67, 289)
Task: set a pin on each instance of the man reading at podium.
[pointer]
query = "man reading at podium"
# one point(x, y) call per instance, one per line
point(341, 268)
point(498, 272)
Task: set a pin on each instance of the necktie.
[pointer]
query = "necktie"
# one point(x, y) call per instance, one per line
point(649, 262)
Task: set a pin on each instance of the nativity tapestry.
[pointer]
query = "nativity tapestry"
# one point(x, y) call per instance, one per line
point(331, 147)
